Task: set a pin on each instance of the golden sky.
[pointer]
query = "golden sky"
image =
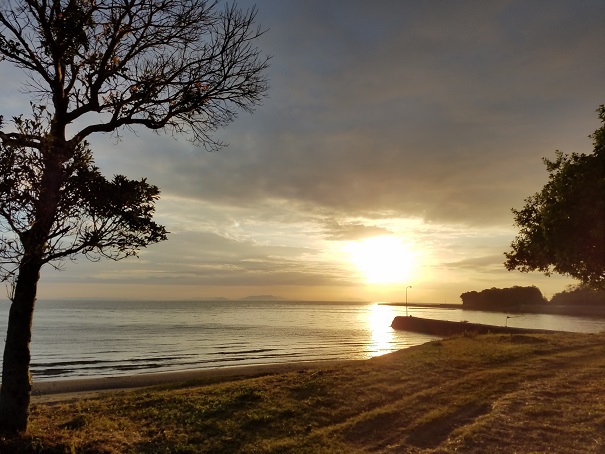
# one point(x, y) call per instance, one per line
point(396, 138)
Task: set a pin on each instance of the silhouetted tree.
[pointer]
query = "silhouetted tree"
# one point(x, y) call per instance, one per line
point(181, 66)
point(562, 227)
point(579, 296)
point(502, 298)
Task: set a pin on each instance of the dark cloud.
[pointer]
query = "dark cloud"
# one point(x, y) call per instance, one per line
point(436, 111)
point(439, 110)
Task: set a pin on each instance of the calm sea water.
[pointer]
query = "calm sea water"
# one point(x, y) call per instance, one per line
point(107, 338)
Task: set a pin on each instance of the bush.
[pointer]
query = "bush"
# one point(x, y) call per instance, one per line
point(579, 296)
point(502, 298)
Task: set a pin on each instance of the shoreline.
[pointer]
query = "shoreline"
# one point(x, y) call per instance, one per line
point(77, 388)
point(449, 395)
point(569, 310)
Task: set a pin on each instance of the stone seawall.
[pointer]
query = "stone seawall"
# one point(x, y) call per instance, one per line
point(449, 328)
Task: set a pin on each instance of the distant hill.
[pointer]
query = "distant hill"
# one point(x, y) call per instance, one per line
point(263, 298)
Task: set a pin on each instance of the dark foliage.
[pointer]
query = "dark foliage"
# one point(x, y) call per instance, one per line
point(95, 216)
point(562, 227)
point(502, 298)
point(579, 296)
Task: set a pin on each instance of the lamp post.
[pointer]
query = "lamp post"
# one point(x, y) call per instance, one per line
point(406, 299)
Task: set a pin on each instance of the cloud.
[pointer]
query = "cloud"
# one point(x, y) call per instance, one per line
point(203, 258)
point(437, 112)
point(335, 230)
point(485, 264)
point(440, 110)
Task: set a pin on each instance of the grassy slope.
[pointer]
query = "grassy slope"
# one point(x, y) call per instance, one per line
point(496, 393)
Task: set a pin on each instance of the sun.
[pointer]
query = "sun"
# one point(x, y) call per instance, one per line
point(383, 259)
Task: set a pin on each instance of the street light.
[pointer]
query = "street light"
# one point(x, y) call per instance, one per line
point(406, 299)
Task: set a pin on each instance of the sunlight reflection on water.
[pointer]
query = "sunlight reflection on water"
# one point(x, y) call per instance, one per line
point(379, 320)
point(107, 338)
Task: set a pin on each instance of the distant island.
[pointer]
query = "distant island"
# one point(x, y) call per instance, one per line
point(263, 298)
point(573, 301)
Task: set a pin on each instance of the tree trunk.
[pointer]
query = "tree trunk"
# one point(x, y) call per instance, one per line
point(15, 392)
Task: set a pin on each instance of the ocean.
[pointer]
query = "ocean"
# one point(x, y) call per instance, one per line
point(77, 339)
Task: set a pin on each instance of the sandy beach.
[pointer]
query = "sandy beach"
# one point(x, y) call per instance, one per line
point(60, 390)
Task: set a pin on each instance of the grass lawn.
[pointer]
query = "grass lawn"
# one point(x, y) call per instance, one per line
point(468, 394)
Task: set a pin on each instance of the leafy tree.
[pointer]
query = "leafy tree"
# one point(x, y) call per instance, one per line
point(562, 227)
point(185, 67)
point(579, 296)
point(502, 298)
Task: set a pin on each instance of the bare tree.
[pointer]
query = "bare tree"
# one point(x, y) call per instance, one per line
point(185, 67)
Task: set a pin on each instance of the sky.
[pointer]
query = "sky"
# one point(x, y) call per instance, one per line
point(383, 164)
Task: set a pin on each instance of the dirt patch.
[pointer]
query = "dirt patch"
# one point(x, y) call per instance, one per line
point(434, 432)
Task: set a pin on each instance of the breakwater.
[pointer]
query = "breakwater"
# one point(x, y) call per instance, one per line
point(449, 328)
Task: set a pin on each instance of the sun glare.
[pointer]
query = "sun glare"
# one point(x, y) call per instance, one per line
point(382, 260)
point(379, 320)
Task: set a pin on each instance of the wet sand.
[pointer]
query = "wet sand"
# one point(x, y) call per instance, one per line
point(70, 389)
